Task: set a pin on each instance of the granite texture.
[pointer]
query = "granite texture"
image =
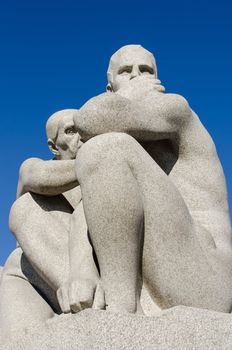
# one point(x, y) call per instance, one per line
point(177, 328)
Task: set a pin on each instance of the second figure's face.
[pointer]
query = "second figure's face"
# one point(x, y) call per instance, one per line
point(68, 140)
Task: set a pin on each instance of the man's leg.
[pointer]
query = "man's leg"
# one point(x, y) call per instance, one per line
point(21, 306)
point(41, 225)
point(122, 186)
point(114, 212)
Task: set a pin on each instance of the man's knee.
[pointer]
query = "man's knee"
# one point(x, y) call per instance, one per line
point(19, 211)
point(102, 148)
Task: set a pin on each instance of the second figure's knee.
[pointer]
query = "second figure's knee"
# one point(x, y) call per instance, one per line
point(18, 212)
point(102, 148)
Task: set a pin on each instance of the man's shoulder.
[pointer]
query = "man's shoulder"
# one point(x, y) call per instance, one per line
point(29, 162)
point(28, 165)
point(25, 173)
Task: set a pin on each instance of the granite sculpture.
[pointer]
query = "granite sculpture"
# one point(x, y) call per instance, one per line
point(40, 219)
point(135, 200)
point(154, 193)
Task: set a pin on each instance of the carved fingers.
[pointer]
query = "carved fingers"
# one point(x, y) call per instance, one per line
point(79, 295)
point(140, 86)
point(99, 298)
point(63, 298)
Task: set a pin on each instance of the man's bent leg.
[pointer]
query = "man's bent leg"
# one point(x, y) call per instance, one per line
point(115, 172)
point(114, 212)
point(41, 225)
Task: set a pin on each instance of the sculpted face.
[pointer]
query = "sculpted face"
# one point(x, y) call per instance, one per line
point(63, 138)
point(68, 140)
point(128, 63)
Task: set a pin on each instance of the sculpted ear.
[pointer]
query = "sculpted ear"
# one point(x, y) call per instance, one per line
point(53, 148)
point(109, 87)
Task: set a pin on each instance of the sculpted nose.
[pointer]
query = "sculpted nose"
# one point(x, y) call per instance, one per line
point(80, 143)
point(135, 72)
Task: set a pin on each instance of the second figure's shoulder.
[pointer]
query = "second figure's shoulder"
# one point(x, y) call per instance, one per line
point(28, 163)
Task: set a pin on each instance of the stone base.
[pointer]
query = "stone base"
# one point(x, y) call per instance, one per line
point(179, 328)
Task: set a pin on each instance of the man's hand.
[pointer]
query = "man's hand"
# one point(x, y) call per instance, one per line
point(63, 297)
point(80, 294)
point(139, 87)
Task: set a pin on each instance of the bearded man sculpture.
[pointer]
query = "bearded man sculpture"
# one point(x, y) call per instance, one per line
point(154, 193)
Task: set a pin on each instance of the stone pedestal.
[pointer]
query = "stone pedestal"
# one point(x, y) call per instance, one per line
point(177, 328)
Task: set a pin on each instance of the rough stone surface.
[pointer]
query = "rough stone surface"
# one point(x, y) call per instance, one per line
point(178, 328)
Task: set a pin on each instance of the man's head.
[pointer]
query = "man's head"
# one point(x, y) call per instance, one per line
point(127, 63)
point(62, 136)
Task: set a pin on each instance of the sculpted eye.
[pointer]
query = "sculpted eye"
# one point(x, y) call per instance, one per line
point(125, 70)
point(70, 131)
point(146, 69)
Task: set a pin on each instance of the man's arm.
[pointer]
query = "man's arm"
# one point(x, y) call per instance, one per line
point(155, 116)
point(83, 286)
point(46, 177)
point(82, 264)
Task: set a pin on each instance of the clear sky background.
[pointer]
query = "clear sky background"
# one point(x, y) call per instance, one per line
point(54, 55)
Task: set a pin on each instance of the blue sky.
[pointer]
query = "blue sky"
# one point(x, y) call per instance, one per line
point(54, 55)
